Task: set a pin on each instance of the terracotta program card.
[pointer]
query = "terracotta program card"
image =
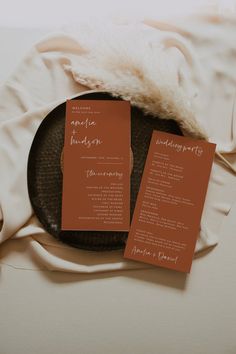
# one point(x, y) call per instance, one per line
point(96, 174)
point(167, 215)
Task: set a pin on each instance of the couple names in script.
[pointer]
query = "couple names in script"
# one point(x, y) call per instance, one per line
point(85, 141)
point(88, 143)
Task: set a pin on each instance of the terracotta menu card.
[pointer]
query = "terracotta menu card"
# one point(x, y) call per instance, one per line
point(96, 172)
point(168, 210)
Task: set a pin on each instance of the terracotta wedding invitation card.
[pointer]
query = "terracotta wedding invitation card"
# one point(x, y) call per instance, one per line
point(96, 170)
point(166, 220)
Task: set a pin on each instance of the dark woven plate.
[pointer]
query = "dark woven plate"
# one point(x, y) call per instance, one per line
point(45, 176)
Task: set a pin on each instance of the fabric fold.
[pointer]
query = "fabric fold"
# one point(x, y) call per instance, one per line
point(166, 69)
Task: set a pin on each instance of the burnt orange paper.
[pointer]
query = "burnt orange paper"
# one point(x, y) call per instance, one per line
point(96, 175)
point(167, 215)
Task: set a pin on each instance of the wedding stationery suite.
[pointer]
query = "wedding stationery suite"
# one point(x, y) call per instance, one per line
point(168, 210)
point(96, 172)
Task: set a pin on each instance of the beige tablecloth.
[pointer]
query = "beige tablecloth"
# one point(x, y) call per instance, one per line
point(50, 73)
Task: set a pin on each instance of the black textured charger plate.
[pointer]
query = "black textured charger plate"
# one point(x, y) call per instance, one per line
point(45, 175)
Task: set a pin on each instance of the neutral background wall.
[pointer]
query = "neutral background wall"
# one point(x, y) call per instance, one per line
point(50, 13)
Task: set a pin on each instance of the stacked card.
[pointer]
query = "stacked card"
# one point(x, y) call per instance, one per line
point(167, 216)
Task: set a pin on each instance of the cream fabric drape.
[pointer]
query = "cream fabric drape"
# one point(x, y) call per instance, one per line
point(42, 81)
